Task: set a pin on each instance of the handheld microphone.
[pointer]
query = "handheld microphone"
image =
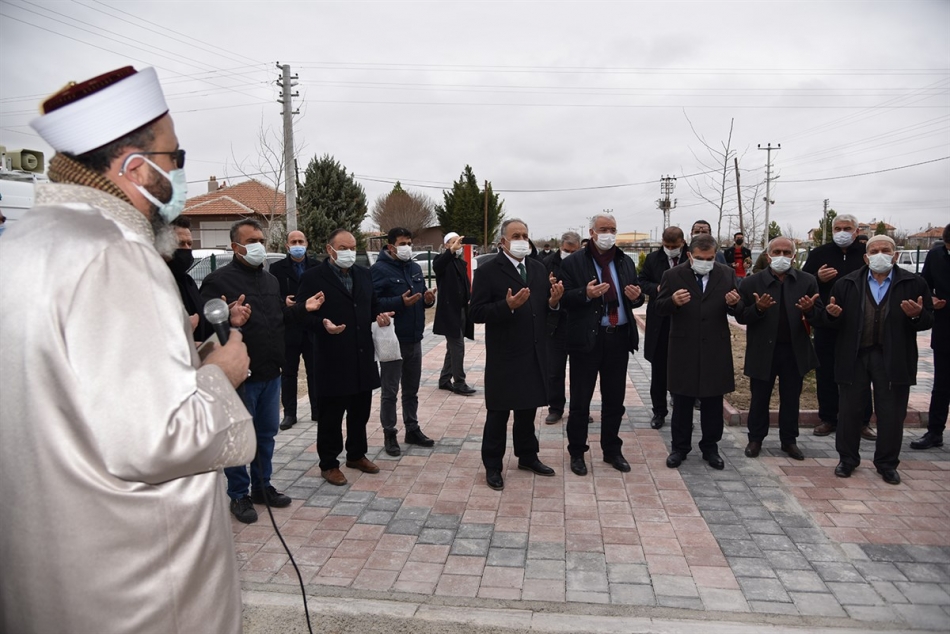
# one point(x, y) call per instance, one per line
point(219, 316)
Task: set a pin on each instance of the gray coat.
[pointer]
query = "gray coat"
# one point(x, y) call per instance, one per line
point(762, 328)
point(700, 349)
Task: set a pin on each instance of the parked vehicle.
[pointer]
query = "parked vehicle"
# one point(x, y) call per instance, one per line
point(908, 260)
point(209, 263)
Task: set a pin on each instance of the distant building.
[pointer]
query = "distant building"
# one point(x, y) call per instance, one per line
point(212, 214)
point(924, 239)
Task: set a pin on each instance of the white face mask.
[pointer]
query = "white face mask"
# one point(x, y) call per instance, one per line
point(881, 262)
point(702, 267)
point(671, 253)
point(404, 252)
point(255, 253)
point(519, 249)
point(564, 254)
point(780, 263)
point(605, 241)
point(345, 258)
point(843, 238)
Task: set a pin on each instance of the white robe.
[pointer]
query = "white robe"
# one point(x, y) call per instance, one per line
point(113, 513)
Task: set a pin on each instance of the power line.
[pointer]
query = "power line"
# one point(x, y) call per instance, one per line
point(588, 105)
point(889, 169)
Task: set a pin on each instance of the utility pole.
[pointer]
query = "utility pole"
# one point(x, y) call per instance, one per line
point(286, 83)
point(824, 233)
point(768, 182)
point(486, 215)
point(739, 200)
point(667, 185)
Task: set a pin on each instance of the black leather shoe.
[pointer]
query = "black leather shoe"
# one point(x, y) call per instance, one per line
point(553, 417)
point(390, 444)
point(243, 509)
point(288, 422)
point(463, 388)
point(657, 421)
point(275, 499)
point(494, 479)
point(416, 437)
point(445, 386)
point(674, 460)
point(793, 451)
point(590, 420)
point(927, 441)
point(843, 470)
point(890, 475)
point(537, 467)
point(867, 433)
point(753, 448)
point(714, 460)
point(578, 466)
point(618, 462)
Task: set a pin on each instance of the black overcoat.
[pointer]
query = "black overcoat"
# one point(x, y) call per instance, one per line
point(654, 266)
point(288, 280)
point(762, 328)
point(700, 348)
point(344, 364)
point(454, 292)
point(936, 273)
point(515, 345)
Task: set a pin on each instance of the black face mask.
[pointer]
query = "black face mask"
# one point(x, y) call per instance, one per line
point(739, 240)
point(181, 261)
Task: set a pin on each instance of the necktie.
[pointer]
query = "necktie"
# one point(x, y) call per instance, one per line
point(524, 273)
point(699, 280)
point(676, 260)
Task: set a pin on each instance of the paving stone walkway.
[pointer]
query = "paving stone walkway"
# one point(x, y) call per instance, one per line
point(765, 538)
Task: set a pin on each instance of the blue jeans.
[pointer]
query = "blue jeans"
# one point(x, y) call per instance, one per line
point(262, 399)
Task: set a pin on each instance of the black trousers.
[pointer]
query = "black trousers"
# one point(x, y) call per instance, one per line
point(297, 343)
point(356, 407)
point(785, 369)
point(827, 388)
point(557, 369)
point(658, 368)
point(940, 395)
point(495, 437)
point(710, 421)
point(453, 364)
point(608, 359)
point(890, 403)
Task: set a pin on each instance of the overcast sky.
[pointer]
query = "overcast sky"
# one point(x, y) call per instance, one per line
point(594, 98)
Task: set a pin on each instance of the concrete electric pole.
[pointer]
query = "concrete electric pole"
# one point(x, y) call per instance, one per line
point(768, 191)
point(286, 83)
point(667, 185)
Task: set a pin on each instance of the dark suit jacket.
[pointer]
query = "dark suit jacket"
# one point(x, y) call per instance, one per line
point(288, 280)
point(515, 346)
point(654, 266)
point(557, 319)
point(700, 348)
point(455, 290)
point(936, 273)
point(583, 316)
point(761, 329)
point(344, 364)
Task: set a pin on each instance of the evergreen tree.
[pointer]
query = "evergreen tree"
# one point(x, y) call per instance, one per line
point(329, 199)
point(820, 237)
point(881, 229)
point(774, 230)
point(463, 209)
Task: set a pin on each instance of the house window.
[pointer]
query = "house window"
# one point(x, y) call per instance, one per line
point(214, 235)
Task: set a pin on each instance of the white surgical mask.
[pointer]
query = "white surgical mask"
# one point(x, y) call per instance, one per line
point(702, 267)
point(843, 238)
point(255, 253)
point(173, 208)
point(564, 253)
point(671, 253)
point(404, 252)
point(519, 248)
point(881, 262)
point(345, 258)
point(605, 241)
point(780, 263)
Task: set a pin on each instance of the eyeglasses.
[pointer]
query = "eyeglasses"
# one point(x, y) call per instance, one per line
point(178, 154)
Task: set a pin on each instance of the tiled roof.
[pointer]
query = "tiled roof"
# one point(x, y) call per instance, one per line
point(242, 199)
point(935, 232)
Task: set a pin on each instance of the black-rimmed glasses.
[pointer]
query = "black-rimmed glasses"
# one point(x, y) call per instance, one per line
point(178, 155)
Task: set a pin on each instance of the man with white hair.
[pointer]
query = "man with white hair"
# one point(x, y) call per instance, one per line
point(877, 312)
point(112, 513)
point(829, 263)
point(451, 313)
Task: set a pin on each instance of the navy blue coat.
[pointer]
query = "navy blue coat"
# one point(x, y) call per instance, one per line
point(392, 278)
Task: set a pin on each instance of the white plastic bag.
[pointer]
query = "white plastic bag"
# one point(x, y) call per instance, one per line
point(387, 345)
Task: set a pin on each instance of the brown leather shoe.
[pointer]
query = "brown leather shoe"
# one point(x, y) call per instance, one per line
point(363, 464)
point(824, 429)
point(793, 451)
point(868, 434)
point(753, 448)
point(334, 477)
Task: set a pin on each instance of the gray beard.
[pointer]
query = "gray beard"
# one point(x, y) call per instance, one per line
point(166, 241)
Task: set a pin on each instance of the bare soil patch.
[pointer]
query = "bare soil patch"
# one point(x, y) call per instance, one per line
point(742, 396)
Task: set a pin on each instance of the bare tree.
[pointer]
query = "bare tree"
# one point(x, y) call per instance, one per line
point(399, 208)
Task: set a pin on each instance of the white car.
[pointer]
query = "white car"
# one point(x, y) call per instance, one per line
point(908, 261)
point(203, 266)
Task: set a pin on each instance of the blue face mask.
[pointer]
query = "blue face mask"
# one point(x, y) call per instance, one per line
point(297, 252)
point(173, 208)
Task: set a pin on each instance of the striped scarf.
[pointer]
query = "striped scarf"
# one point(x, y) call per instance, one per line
point(63, 169)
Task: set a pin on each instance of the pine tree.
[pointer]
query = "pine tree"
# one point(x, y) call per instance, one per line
point(463, 209)
point(330, 199)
